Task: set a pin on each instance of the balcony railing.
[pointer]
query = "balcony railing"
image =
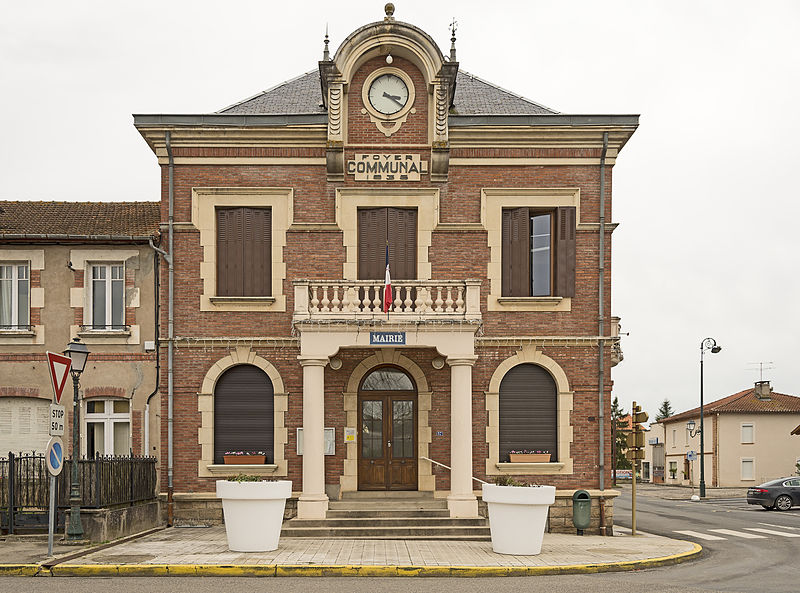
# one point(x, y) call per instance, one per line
point(412, 300)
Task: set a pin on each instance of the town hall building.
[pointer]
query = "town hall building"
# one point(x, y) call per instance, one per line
point(386, 274)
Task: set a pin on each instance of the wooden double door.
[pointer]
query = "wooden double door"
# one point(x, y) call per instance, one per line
point(387, 452)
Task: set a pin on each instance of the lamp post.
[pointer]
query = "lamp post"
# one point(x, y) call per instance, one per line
point(78, 353)
point(706, 344)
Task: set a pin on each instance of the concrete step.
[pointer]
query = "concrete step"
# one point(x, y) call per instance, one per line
point(380, 522)
point(385, 513)
point(463, 533)
point(387, 494)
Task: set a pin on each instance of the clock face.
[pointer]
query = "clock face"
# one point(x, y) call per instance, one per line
point(388, 94)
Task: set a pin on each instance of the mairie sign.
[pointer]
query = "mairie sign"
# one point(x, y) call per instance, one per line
point(387, 167)
point(387, 338)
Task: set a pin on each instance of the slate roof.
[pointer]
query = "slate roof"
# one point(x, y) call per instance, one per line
point(303, 95)
point(745, 402)
point(138, 219)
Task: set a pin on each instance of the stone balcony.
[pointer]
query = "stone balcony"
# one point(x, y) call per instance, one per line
point(361, 300)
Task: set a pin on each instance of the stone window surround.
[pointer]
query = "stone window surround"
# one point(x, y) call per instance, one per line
point(35, 260)
point(426, 481)
point(205, 201)
point(424, 200)
point(493, 201)
point(752, 462)
point(752, 426)
point(563, 466)
point(206, 468)
point(82, 259)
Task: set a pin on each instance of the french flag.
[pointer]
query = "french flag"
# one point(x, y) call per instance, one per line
point(387, 285)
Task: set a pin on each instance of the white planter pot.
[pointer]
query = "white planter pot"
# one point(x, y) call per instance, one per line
point(517, 517)
point(253, 513)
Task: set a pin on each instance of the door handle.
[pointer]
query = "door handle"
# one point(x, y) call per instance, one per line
point(389, 444)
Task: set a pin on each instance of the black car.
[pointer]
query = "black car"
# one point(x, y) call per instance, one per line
point(780, 494)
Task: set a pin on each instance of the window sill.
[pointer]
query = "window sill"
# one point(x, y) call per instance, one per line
point(222, 469)
point(221, 300)
point(17, 333)
point(539, 300)
point(104, 333)
point(530, 468)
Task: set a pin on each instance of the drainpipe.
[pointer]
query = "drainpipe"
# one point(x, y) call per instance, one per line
point(157, 288)
point(170, 329)
point(601, 333)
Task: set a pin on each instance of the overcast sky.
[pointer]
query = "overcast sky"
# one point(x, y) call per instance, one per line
point(705, 192)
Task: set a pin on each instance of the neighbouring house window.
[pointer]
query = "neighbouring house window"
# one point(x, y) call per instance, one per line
point(14, 296)
point(244, 418)
point(538, 252)
point(686, 435)
point(244, 252)
point(108, 427)
point(674, 437)
point(107, 296)
point(748, 434)
point(646, 470)
point(528, 411)
point(673, 469)
point(748, 469)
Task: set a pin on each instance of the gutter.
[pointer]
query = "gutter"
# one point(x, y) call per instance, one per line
point(170, 331)
point(74, 238)
point(157, 288)
point(601, 327)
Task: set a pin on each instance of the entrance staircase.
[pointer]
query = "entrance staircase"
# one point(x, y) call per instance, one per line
point(389, 515)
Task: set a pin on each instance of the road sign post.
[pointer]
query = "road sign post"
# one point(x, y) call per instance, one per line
point(54, 457)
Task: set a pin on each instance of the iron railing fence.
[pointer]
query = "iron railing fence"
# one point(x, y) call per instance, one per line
point(105, 481)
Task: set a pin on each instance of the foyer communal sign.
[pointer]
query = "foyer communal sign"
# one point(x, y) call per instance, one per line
point(387, 167)
point(387, 338)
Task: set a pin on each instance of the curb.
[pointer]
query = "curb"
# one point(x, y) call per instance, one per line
point(19, 570)
point(350, 570)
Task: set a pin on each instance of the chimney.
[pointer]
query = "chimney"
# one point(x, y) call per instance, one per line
point(763, 390)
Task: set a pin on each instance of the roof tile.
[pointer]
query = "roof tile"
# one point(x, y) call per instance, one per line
point(138, 219)
point(744, 402)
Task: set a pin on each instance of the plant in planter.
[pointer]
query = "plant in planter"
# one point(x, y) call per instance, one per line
point(517, 515)
point(527, 456)
point(244, 457)
point(253, 511)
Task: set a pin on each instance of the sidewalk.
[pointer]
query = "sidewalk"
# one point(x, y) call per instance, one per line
point(204, 552)
point(669, 492)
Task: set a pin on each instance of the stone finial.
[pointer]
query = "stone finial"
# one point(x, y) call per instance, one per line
point(389, 8)
point(326, 56)
point(453, 27)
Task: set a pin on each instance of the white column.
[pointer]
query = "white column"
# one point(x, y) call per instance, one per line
point(313, 503)
point(462, 501)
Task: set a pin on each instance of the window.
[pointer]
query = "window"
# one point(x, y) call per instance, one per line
point(748, 469)
point(538, 252)
point(107, 292)
point(646, 471)
point(14, 296)
point(687, 436)
point(244, 252)
point(108, 427)
point(244, 418)
point(674, 437)
point(382, 227)
point(528, 411)
point(673, 469)
point(748, 434)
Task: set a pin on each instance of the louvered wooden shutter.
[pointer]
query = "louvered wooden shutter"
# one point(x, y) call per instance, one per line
point(516, 252)
point(257, 279)
point(565, 252)
point(528, 411)
point(402, 237)
point(230, 248)
point(243, 412)
point(372, 243)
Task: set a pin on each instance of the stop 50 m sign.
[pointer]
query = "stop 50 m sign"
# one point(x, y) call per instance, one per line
point(57, 416)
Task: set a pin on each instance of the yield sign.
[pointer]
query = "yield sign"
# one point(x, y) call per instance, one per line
point(59, 366)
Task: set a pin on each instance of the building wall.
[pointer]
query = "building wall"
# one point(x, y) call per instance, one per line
point(678, 443)
point(118, 366)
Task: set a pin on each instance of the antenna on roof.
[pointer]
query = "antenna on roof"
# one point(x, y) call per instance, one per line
point(453, 28)
point(325, 55)
point(761, 368)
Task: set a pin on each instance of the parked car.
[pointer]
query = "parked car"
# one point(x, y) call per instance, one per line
point(779, 494)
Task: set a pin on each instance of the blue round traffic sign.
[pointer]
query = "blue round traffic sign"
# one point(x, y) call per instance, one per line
point(54, 456)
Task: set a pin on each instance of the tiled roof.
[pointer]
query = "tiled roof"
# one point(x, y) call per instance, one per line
point(137, 219)
point(745, 402)
point(303, 95)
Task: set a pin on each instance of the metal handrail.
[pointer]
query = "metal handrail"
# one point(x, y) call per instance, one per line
point(446, 467)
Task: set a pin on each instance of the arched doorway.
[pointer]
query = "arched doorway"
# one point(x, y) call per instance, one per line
point(387, 451)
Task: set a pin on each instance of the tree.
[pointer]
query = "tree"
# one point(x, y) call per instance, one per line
point(665, 411)
point(617, 414)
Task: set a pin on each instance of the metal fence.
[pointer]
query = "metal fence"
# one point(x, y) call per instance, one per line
point(108, 481)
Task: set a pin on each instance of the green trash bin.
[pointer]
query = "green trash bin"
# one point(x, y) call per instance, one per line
point(581, 510)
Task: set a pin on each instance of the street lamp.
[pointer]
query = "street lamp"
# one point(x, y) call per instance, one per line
point(78, 353)
point(706, 344)
point(692, 432)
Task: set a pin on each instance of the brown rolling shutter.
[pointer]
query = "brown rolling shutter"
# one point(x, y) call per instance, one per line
point(565, 252)
point(516, 252)
point(528, 411)
point(244, 252)
point(402, 237)
point(243, 412)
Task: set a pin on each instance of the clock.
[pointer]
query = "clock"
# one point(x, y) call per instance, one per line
point(388, 94)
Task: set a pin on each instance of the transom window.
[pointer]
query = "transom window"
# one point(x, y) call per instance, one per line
point(14, 296)
point(108, 296)
point(108, 427)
